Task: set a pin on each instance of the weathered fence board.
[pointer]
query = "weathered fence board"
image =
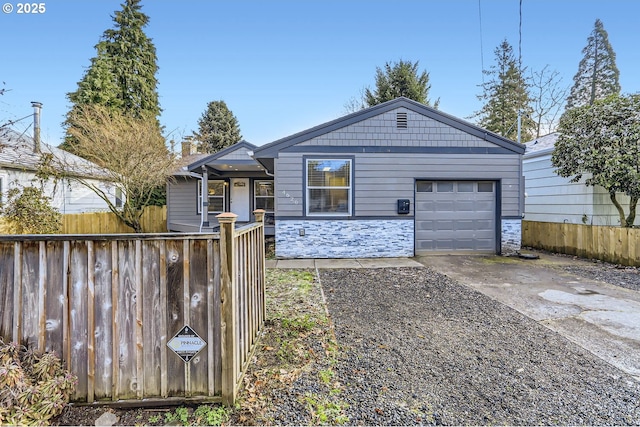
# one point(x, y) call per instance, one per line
point(611, 244)
point(109, 305)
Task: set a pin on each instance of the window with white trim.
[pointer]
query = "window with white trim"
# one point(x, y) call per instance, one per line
point(217, 191)
point(329, 186)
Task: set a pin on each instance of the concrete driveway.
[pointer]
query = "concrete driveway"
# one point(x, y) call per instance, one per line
point(602, 318)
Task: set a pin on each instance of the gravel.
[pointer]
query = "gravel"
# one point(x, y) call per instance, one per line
point(626, 277)
point(419, 348)
point(414, 347)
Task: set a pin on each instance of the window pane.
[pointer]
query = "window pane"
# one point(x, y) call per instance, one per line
point(325, 200)
point(485, 187)
point(264, 188)
point(465, 187)
point(216, 188)
point(216, 204)
point(265, 203)
point(424, 187)
point(328, 173)
point(445, 187)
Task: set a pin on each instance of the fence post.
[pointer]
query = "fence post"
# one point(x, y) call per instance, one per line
point(259, 214)
point(229, 343)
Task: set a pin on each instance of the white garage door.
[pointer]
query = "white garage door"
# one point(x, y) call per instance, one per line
point(455, 216)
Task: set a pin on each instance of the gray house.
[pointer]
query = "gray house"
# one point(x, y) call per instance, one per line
point(397, 179)
point(232, 182)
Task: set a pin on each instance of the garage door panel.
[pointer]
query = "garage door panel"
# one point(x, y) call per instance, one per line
point(466, 225)
point(426, 206)
point(443, 225)
point(458, 220)
point(465, 206)
point(444, 206)
point(424, 225)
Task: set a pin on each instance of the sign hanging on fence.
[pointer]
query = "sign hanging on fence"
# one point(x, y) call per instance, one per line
point(186, 343)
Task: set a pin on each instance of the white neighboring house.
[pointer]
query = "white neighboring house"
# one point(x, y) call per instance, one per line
point(552, 198)
point(19, 159)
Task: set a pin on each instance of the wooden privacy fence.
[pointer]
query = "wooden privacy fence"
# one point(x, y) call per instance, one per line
point(611, 244)
point(108, 305)
point(154, 220)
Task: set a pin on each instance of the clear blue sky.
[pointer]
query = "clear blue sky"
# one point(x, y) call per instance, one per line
point(285, 66)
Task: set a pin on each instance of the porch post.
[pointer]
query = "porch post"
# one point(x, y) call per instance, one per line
point(204, 209)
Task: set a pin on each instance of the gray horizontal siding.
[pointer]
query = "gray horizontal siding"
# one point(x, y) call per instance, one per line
point(182, 202)
point(552, 198)
point(382, 179)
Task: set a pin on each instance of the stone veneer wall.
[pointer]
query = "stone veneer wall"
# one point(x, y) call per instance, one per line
point(511, 236)
point(344, 238)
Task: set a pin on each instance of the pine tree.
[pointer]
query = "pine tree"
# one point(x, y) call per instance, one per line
point(122, 74)
point(218, 128)
point(134, 61)
point(598, 75)
point(399, 79)
point(506, 95)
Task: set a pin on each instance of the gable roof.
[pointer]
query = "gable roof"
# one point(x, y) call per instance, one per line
point(232, 159)
point(271, 150)
point(17, 151)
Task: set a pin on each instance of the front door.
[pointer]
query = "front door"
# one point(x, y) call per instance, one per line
point(240, 198)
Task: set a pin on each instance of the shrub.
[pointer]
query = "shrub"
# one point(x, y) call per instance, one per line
point(34, 387)
point(29, 211)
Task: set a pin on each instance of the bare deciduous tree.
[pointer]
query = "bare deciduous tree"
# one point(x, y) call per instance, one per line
point(131, 152)
point(548, 96)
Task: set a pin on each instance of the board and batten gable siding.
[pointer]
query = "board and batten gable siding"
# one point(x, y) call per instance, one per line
point(552, 198)
point(380, 178)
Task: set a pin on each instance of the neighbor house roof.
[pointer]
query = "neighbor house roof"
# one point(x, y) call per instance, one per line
point(18, 151)
point(541, 146)
point(266, 153)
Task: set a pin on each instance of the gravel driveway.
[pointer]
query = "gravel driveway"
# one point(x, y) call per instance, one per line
point(419, 348)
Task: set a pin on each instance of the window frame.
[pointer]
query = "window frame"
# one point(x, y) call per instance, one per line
point(223, 197)
point(257, 182)
point(308, 188)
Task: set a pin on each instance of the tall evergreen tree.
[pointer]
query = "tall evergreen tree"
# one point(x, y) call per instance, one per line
point(399, 79)
point(506, 95)
point(218, 128)
point(122, 74)
point(598, 75)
